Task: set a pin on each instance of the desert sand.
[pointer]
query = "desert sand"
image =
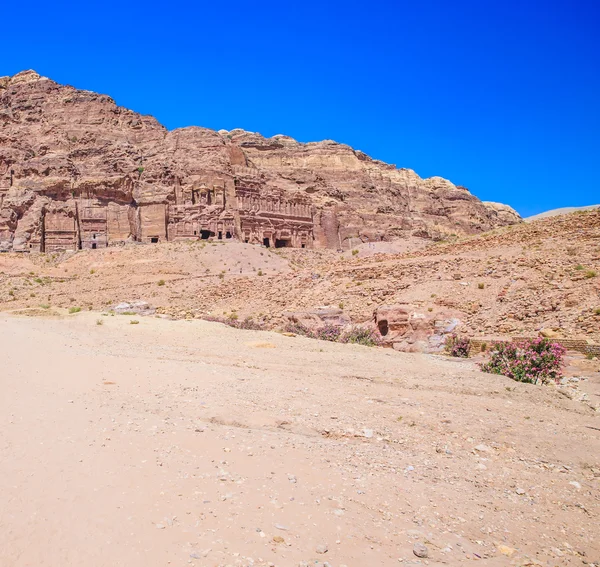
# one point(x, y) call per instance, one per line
point(191, 443)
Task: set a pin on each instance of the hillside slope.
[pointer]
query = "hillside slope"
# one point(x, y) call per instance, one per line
point(514, 280)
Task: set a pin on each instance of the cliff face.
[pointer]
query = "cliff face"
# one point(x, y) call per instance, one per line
point(77, 171)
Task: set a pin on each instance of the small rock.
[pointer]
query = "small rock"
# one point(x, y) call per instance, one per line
point(292, 478)
point(520, 491)
point(420, 550)
point(368, 433)
point(575, 484)
point(505, 550)
point(322, 548)
point(481, 448)
point(281, 527)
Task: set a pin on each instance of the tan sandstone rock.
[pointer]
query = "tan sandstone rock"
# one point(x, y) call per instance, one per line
point(405, 328)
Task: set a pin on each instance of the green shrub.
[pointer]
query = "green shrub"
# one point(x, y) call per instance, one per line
point(354, 252)
point(161, 282)
point(134, 322)
point(591, 274)
point(247, 324)
point(361, 336)
point(74, 309)
point(480, 286)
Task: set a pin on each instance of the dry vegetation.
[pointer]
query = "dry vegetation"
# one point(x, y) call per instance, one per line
point(514, 280)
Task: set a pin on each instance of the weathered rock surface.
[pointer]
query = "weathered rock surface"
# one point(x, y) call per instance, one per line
point(316, 319)
point(407, 328)
point(78, 171)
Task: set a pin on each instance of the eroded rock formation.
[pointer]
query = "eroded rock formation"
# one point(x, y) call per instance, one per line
point(407, 328)
point(78, 171)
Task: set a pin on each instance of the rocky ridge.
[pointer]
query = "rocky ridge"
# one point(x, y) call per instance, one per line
point(64, 151)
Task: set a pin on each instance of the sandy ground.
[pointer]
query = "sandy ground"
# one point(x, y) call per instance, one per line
point(191, 443)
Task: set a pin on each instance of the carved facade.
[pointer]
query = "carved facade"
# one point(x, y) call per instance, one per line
point(219, 209)
point(273, 220)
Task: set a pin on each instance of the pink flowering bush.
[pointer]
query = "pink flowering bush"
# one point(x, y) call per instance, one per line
point(534, 361)
point(298, 329)
point(328, 333)
point(458, 346)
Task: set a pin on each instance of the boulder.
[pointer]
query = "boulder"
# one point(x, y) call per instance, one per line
point(320, 317)
point(406, 328)
point(137, 307)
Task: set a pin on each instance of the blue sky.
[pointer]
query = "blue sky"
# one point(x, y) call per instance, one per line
point(502, 97)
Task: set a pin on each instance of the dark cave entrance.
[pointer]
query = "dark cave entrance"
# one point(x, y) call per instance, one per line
point(383, 328)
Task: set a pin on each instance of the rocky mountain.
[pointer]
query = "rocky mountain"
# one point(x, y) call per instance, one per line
point(78, 171)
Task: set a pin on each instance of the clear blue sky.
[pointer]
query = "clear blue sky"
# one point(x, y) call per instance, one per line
point(502, 97)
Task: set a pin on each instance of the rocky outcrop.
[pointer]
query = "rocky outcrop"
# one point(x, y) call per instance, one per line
point(317, 319)
point(78, 171)
point(406, 328)
point(504, 212)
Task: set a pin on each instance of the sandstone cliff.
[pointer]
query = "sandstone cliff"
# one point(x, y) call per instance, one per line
point(78, 171)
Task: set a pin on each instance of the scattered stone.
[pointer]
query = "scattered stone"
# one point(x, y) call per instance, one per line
point(505, 550)
point(322, 548)
point(420, 550)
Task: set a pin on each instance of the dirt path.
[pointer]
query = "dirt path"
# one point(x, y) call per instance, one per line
point(191, 443)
